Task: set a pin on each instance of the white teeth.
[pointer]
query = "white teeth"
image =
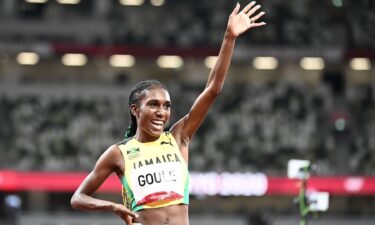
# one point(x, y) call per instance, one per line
point(159, 123)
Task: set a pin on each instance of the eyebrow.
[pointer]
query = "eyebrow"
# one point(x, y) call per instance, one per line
point(156, 100)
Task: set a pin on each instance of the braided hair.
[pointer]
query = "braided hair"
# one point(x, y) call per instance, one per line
point(134, 97)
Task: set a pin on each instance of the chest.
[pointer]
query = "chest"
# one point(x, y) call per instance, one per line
point(157, 155)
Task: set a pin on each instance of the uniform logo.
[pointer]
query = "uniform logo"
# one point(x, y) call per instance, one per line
point(167, 142)
point(133, 153)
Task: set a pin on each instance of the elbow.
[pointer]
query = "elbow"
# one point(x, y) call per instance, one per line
point(74, 202)
point(215, 91)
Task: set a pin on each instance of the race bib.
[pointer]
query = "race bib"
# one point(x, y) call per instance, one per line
point(158, 182)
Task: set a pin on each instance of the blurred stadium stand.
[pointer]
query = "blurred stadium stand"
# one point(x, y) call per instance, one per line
point(66, 127)
point(59, 118)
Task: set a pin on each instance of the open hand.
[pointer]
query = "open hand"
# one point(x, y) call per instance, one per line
point(239, 22)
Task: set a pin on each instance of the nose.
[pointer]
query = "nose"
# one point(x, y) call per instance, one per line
point(160, 112)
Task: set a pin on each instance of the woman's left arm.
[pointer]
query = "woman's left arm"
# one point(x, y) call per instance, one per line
point(238, 23)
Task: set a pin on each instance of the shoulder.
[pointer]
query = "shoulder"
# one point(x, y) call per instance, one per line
point(111, 159)
point(125, 145)
point(111, 153)
point(123, 142)
point(167, 134)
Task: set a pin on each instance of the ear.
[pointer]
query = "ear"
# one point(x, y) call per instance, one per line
point(134, 110)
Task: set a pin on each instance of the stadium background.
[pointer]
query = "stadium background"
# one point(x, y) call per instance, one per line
point(301, 87)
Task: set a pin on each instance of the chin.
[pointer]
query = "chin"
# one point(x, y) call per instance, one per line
point(156, 133)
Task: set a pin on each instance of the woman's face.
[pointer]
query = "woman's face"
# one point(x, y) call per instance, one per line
point(153, 113)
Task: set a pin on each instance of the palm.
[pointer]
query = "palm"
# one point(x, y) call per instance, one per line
point(239, 22)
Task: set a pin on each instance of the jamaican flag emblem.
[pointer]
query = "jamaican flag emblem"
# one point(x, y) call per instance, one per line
point(133, 153)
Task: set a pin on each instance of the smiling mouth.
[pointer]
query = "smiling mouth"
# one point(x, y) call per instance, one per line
point(157, 123)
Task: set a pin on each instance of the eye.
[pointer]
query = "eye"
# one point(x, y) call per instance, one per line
point(152, 104)
point(167, 106)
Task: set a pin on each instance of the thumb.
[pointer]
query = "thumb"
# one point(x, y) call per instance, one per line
point(130, 218)
point(134, 215)
point(236, 9)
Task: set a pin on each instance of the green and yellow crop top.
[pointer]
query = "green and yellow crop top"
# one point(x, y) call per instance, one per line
point(155, 174)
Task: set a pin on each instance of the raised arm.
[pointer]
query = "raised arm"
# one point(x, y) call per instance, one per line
point(238, 23)
point(82, 199)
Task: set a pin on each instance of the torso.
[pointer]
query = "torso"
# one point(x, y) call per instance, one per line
point(159, 161)
point(169, 215)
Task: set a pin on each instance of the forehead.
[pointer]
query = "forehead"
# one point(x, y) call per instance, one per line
point(156, 94)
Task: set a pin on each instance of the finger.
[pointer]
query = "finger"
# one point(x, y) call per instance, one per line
point(128, 213)
point(258, 24)
point(236, 9)
point(134, 215)
point(255, 18)
point(248, 7)
point(129, 220)
point(253, 10)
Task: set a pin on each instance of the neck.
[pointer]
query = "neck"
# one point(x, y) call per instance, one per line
point(143, 138)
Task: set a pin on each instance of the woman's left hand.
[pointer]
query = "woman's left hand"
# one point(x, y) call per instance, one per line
point(239, 22)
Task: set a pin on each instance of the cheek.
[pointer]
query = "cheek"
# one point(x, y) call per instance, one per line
point(144, 112)
point(168, 115)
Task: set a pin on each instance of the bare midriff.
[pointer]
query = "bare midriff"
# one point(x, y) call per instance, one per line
point(169, 215)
